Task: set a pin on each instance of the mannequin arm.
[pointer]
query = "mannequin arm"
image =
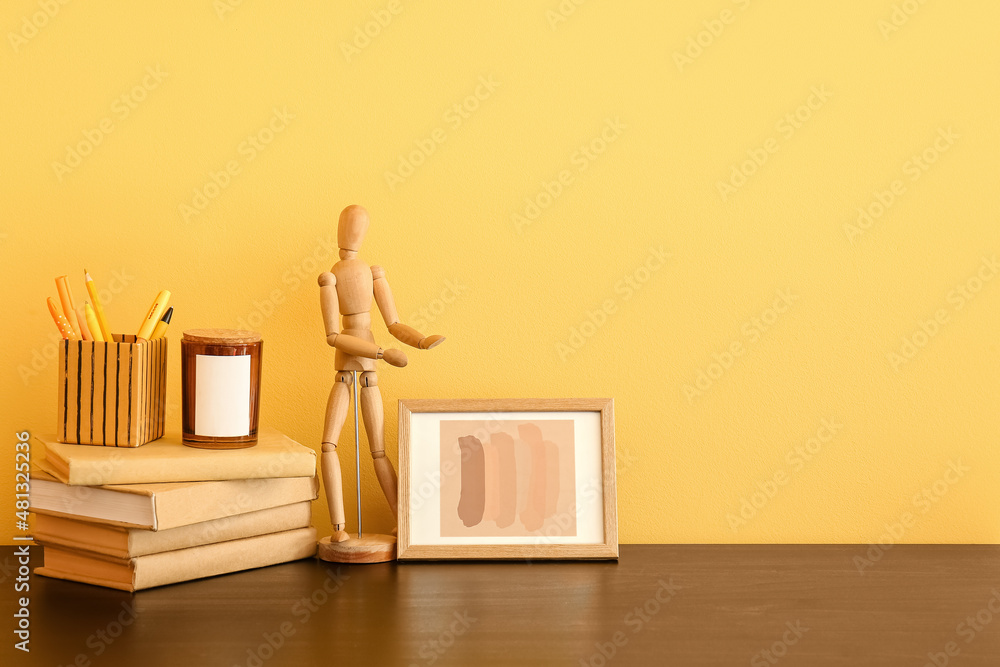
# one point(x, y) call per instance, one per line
point(387, 306)
point(345, 342)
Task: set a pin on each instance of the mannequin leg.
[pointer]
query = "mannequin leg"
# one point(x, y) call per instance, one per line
point(371, 410)
point(336, 413)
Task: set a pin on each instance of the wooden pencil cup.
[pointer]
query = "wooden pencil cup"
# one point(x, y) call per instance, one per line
point(112, 393)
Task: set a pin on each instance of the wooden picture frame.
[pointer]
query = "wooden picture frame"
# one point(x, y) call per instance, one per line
point(581, 489)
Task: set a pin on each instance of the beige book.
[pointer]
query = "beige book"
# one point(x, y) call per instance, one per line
point(169, 460)
point(167, 505)
point(122, 542)
point(171, 567)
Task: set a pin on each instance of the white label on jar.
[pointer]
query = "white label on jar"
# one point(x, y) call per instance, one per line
point(222, 396)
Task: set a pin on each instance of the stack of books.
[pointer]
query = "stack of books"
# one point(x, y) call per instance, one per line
point(164, 513)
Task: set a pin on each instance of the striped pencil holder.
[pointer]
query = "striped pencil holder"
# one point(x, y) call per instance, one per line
point(112, 394)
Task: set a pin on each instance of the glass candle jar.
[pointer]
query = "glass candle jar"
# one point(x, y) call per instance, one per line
point(220, 375)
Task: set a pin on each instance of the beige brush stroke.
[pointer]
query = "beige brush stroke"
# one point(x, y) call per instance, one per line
point(473, 498)
point(552, 478)
point(506, 479)
point(492, 471)
point(560, 432)
point(533, 514)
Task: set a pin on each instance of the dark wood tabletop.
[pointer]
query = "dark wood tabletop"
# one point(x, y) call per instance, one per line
point(677, 605)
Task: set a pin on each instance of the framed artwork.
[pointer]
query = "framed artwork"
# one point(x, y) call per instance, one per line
point(514, 478)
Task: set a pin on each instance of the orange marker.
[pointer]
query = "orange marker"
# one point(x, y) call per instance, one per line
point(66, 298)
point(64, 328)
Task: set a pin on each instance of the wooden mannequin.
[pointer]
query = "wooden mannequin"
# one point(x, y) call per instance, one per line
point(347, 291)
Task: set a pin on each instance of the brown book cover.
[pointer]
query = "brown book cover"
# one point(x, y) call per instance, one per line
point(171, 567)
point(165, 505)
point(122, 542)
point(169, 460)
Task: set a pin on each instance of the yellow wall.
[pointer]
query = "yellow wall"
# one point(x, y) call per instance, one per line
point(772, 267)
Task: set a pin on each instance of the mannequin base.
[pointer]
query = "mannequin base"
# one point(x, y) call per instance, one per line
point(369, 548)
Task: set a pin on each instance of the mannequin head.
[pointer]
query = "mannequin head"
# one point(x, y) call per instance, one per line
point(352, 228)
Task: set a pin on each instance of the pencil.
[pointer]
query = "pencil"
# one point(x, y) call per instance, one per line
point(98, 308)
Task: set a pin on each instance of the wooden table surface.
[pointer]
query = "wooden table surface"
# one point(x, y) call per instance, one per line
point(677, 605)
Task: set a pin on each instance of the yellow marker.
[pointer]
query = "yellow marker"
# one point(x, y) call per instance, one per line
point(161, 327)
point(154, 315)
point(95, 327)
point(81, 318)
point(98, 309)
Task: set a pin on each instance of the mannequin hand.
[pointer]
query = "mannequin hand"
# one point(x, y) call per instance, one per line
point(394, 357)
point(430, 341)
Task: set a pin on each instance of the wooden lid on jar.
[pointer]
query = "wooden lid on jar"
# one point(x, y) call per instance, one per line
point(221, 336)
